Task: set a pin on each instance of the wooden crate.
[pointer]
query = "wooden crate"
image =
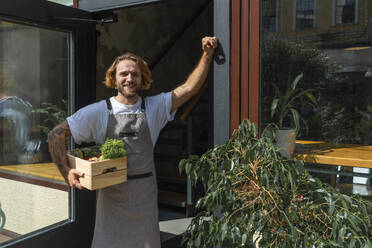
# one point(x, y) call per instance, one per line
point(100, 174)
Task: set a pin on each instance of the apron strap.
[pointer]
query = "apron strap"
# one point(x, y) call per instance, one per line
point(139, 176)
point(108, 103)
point(143, 105)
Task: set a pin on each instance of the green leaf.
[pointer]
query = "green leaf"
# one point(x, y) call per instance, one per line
point(341, 234)
point(296, 118)
point(334, 244)
point(224, 231)
point(197, 241)
point(312, 98)
point(274, 106)
point(352, 243)
point(295, 82)
point(244, 239)
point(331, 208)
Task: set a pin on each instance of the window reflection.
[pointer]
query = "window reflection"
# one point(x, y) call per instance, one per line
point(336, 63)
point(305, 14)
point(345, 11)
point(269, 16)
point(33, 99)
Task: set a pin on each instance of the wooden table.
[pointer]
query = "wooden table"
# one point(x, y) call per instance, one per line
point(44, 174)
point(339, 155)
point(334, 154)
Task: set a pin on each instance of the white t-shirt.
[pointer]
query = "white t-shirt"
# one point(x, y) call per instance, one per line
point(89, 123)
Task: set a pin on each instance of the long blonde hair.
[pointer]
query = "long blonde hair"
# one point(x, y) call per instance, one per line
point(110, 80)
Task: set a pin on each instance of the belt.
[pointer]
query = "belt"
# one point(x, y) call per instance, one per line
point(139, 176)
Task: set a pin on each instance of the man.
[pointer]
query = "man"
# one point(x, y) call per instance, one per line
point(127, 214)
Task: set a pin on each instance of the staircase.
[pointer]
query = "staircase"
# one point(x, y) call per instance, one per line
point(177, 140)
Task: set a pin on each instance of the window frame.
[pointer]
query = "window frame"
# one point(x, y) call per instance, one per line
point(39, 13)
point(334, 9)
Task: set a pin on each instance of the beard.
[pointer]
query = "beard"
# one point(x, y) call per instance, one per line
point(129, 95)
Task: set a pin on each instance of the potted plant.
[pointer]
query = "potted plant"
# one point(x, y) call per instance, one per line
point(285, 114)
point(44, 119)
point(255, 198)
point(102, 165)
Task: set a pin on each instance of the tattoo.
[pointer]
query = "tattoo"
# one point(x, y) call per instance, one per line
point(57, 131)
point(57, 147)
point(206, 61)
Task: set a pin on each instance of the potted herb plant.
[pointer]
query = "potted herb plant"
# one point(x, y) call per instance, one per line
point(255, 198)
point(286, 116)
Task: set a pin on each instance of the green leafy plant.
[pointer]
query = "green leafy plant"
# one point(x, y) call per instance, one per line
point(285, 105)
point(282, 60)
point(255, 197)
point(87, 152)
point(113, 148)
point(49, 116)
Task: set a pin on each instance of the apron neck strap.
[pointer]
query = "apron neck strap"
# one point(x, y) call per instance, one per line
point(108, 103)
point(143, 105)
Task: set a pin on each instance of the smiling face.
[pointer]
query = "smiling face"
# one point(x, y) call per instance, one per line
point(128, 81)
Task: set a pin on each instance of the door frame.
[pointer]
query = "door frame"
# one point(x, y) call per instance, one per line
point(245, 62)
point(78, 229)
point(236, 76)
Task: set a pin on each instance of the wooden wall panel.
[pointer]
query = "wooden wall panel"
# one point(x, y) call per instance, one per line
point(254, 58)
point(245, 61)
point(235, 65)
point(245, 40)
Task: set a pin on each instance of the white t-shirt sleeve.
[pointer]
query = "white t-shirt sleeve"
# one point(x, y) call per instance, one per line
point(158, 113)
point(89, 123)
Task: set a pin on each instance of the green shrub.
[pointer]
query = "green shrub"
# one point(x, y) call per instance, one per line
point(252, 191)
point(113, 148)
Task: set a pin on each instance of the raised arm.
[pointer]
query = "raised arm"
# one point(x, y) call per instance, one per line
point(184, 92)
point(57, 148)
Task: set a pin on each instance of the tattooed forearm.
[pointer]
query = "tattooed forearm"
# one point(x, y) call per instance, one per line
point(193, 83)
point(57, 131)
point(207, 60)
point(57, 147)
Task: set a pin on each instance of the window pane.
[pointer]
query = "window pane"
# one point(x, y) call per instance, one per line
point(269, 8)
point(335, 64)
point(345, 11)
point(305, 14)
point(34, 81)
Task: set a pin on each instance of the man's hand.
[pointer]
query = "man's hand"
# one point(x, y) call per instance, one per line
point(209, 44)
point(73, 178)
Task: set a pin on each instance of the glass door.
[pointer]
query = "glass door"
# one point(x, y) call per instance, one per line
point(33, 99)
point(39, 63)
